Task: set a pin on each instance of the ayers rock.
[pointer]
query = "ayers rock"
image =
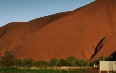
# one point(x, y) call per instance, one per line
point(85, 33)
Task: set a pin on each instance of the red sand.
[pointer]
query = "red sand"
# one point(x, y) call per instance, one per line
point(77, 33)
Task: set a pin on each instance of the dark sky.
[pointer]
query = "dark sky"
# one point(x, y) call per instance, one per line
point(25, 10)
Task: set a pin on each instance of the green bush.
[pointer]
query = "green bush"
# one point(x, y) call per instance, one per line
point(53, 62)
point(71, 61)
point(28, 62)
point(62, 62)
point(82, 63)
point(41, 64)
point(8, 60)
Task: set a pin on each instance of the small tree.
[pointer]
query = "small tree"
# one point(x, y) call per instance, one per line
point(53, 62)
point(8, 60)
point(101, 58)
point(71, 61)
point(41, 64)
point(62, 62)
point(92, 63)
point(19, 63)
point(28, 62)
point(82, 63)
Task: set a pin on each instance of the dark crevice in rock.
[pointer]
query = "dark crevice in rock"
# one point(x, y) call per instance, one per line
point(105, 39)
point(98, 47)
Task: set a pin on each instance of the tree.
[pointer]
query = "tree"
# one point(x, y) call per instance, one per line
point(82, 63)
point(19, 63)
point(101, 58)
point(8, 60)
point(92, 63)
point(62, 62)
point(28, 62)
point(71, 61)
point(41, 64)
point(53, 62)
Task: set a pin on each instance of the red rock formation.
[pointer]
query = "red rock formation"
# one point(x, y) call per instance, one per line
point(85, 33)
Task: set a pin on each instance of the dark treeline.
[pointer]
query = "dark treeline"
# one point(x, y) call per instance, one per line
point(8, 61)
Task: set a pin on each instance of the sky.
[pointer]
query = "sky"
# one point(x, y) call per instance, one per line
point(26, 10)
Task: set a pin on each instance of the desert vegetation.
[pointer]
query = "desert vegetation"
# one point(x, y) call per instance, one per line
point(8, 62)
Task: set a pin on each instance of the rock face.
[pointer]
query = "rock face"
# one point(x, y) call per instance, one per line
point(86, 33)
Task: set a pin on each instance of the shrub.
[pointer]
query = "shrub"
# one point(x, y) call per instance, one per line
point(53, 62)
point(82, 63)
point(8, 60)
point(62, 62)
point(71, 61)
point(28, 62)
point(41, 64)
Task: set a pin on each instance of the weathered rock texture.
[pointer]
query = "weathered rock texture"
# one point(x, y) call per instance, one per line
point(86, 33)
